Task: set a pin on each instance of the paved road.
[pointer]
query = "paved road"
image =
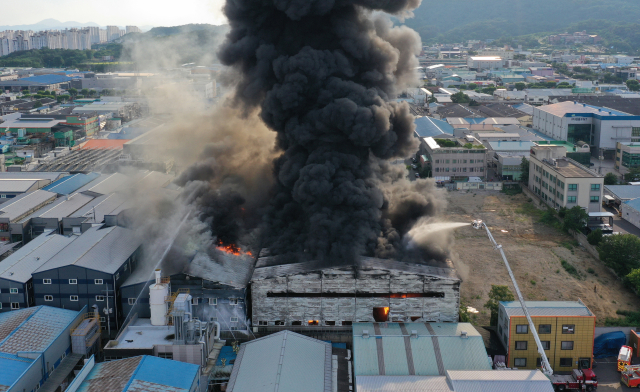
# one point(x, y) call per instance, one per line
point(608, 376)
point(621, 225)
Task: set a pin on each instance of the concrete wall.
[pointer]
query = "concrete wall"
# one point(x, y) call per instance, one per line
point(630, 214)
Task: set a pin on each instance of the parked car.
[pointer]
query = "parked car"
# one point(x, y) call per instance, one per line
point(417, 175)
point(414, 167)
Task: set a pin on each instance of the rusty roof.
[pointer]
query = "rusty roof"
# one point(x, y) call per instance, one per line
point(40, 327)
point(9, 321)
point(110, 376)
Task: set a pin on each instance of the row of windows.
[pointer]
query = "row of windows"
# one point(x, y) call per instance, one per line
point(194, 301)
point(522, 362)
point(460, 161)
point(459, 169)
point(73, 298)
point(546, 328)
point(14, 305)
point(75, 281)
point(546, 344)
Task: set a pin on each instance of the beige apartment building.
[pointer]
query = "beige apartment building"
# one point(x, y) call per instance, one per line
point(455, 158)
point(563, 182)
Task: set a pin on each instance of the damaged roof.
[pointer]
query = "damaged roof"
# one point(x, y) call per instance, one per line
point(33, 329)
point(265, 269)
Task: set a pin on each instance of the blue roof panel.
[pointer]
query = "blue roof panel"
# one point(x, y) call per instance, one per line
point(635, 204)
point(167, 372)
point(70, 184)
point(50, 79)
point(431, 127)
point(624, 192)
point(12, 368)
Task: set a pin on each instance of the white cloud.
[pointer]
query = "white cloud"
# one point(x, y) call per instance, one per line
point(114, 12)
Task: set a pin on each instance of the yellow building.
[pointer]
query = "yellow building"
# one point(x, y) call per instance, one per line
point(566, 330)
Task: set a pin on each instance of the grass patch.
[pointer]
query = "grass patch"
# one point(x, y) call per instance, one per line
point(570, 269)
point(529, 210)
point(533, 282)
point(591, 270)
point(549, 218)
point(630, 319)
point(512, 190)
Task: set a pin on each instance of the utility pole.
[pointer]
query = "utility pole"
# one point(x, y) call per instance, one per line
point(107, 311)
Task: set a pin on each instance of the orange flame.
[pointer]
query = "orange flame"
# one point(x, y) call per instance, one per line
point(231, 249)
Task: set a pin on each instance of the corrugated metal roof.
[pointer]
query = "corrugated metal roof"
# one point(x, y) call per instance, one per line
point(110, 376)
point(511, 146)
point(175, 375)
point(265, 270)
point(101, 206)
point(437, 348)
point(67, 207)
point(624, 192)
point(12, 369)
point(106, 184)
point(20, 265)
point(285, 361)
point(25, 204)
point(546, 308)
point(569, 107)
point(100, 248)
point(53, 176)
point(402, 384)
point(68, 185)
point(16, 185)
point(635, 204)
point(41, 326)
point(431, 127)
point(115, 144)
point(499, 381)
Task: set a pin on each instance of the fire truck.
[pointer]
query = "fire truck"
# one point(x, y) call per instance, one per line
point(579, 380)
point(624, 357)
point(631, 376)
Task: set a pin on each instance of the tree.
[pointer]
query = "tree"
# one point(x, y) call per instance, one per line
point(473, 102)
point(575, 219)
point(633, 279)
point(595, 237)
point(498, 293)
point(632, 175)
point(37, 104)
point(462, 87)
point(524, 168)
point(489, 90)
point(620, 252)
point(472, 86)
point(460, 97)
point(520, 86)
point(633, 85)
point(432, 99)
point(84, 91)
point(610, 179)
point(73, 91)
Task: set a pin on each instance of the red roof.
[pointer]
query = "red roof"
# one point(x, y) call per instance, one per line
point(115, 144)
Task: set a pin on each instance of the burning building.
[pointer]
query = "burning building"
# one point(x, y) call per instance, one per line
point(313, 293)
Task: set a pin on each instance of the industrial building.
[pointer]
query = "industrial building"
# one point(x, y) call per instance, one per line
point(566, 330)
point(457, 158)
point(563, 182)
point(312, 293)
point(479, 63)
point(35, 347)
point(36, 83)
point(143, 373)
point(126, 111)
point(12, 212)
point(601, 128)
point(218, 288)
point(89, 272)
point(291, 362)
point(100, 82)
point(628, 154)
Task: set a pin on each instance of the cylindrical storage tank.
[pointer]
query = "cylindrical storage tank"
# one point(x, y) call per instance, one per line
point(157, 294)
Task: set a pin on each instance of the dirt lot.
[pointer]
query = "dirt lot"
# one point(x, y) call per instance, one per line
point(534, 251)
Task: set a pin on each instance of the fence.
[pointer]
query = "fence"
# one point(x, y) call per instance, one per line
point(489, 186)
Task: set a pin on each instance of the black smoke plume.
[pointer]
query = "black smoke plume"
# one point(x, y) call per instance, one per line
point(325, 74)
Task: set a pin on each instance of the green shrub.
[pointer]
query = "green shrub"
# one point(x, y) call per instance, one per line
point(570, 269)
point(595, 237)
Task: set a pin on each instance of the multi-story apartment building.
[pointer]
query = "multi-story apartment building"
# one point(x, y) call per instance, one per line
point(566, 330)
point(457, 158)
point(132, 29)
point(563, 182)
point(113, 33)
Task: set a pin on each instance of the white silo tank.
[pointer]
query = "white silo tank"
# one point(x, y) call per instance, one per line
point(157, 294)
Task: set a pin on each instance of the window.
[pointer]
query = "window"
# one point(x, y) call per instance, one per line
point(571, 199)
point(566, 345)
point(234, 319)
point(48, 297)
point(329, 323)
point(520, 362)
point(0, 305)
point(568, 328)
point(522, 328)
point(46, 281)
point(521, 345)
point(279, 322)
point(544, 328)
point(213, 301)
point(546, 344)
point(313, 322)
point(595, 187)
point(573, 187)
point(73, 281)
point(594, 199)
point(263, 323)
point(566, 362)
point(103, 319)
point(97, 281)
point(539, 362)
point(15, 305)
point(132, 301)
point(347, 323)
point(194, 301)
point(233, 301)
point(213, 319)
point(13, 291)
point(73, 298)
point(99, 297)
point(454, 161)
point(635, 131)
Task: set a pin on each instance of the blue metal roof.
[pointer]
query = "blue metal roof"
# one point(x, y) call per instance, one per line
point(511, 146)
point(547, 308)
point(166, 372)
point(624, 192)
point(227, 353)
point(12, 368)
point(635, 204)
point(431, 127)
point(47, 79)
point(421, 356)
point(70, 184)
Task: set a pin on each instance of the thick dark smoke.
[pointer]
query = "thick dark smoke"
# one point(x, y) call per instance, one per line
point(325, 74)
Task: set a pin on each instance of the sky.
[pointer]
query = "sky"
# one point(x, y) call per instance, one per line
point(114, 12)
